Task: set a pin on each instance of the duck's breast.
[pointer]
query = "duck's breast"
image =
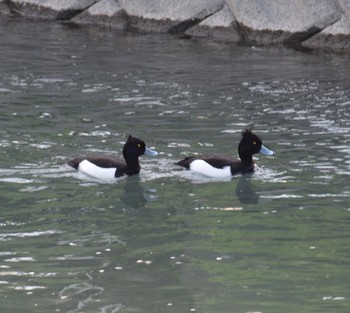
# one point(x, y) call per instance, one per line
point(90, 169)
point(202, 167)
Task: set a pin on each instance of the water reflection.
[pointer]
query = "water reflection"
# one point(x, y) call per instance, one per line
point(246, 191)
point(134, 195)
point(84, 296)
point(185, 244)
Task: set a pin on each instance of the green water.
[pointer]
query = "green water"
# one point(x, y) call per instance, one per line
point(167, 241)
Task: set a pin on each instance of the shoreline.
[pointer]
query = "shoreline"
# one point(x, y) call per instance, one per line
point(310, 24)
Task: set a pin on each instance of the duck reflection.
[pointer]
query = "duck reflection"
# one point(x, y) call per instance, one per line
point(133, 196)
point(245, 191)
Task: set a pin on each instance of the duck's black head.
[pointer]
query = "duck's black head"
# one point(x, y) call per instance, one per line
point(135, 147)
point(251, 144)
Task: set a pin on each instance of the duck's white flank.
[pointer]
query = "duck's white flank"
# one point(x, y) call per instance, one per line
point(92, 170)
point(203, 168)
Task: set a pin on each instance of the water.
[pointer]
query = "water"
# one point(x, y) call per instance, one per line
point(165, 241)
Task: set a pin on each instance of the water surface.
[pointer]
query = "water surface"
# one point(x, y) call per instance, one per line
point(166, 241)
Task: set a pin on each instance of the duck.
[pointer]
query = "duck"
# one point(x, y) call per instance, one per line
point(222, 167)
point(108, 167)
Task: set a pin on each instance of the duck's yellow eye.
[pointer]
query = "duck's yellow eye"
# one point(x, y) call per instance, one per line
point(254, 143)
point(139, 145)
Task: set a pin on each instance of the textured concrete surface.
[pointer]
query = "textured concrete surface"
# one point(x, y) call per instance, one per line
point(49, 9)
point(105, 12)
point(280, 21)
point(310, 23)
point(335, 37)
point(168, 15)
point(221, 25)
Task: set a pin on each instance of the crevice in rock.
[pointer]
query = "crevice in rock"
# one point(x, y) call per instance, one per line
point(13, 8)
point(44, 13)
point(183, 26)
point(69, 14)
point(297, 38)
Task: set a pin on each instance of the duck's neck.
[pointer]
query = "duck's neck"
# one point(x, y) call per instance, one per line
point(132, 165)
point(247, 163)
point(246, 157)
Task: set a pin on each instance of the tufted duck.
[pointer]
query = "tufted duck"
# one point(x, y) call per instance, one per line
point(220, 167)
point(106, 167)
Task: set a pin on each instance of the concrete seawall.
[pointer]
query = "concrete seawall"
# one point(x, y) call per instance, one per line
point(311, 24)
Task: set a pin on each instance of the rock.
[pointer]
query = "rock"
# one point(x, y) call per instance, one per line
point(49, 9)
point(221, 25)
point(281, 21)
point(105, 12)
point(345, 7)
point(312, 23)
point(4, 9)
point(168, 15)
point(333, 38)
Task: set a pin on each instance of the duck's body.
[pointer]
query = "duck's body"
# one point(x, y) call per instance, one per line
point(216, 166)
point(103, 167)
point(107, 167)
point(221, 167)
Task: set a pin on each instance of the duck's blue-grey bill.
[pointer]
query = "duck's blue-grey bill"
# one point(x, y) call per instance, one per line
point(150, 152)
point(266, 151)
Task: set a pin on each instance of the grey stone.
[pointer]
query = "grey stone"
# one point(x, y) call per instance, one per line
point(345, 7)
point(105, 12)
point(313, 23)
point(281, 21)
point(221, 25)
point(49, 9)
point(168, 15)
point(333, 38)
point(4, 9)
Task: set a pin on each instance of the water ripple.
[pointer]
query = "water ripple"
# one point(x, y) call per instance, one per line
point(29, 288)
point(88, 293)
point(30, 234)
